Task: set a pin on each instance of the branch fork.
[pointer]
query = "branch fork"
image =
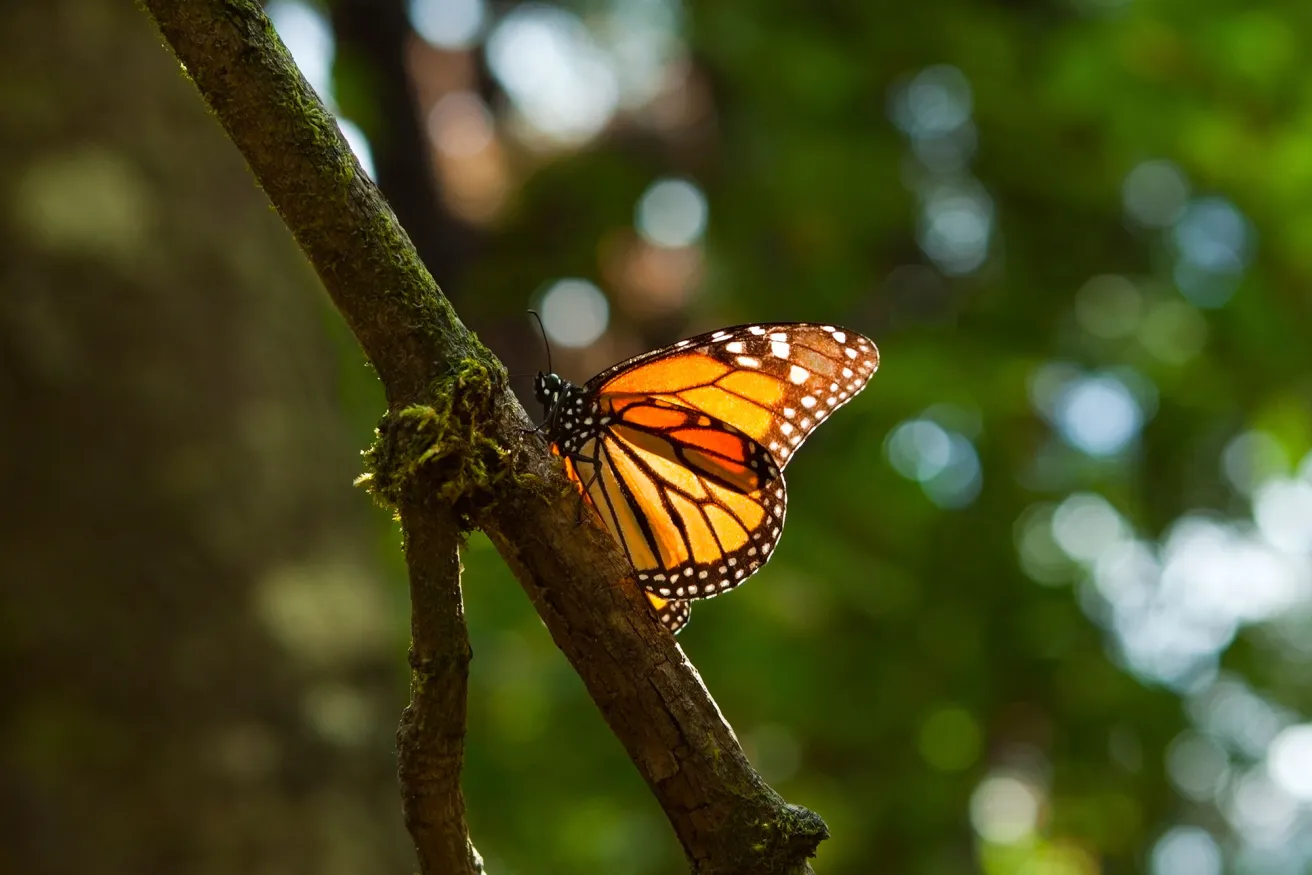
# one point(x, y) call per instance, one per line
point(725, 816)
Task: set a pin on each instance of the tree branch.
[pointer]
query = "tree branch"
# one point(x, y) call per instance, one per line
point(454, 434)
point(430, 741)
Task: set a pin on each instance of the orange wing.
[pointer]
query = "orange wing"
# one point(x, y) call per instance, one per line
point(673, 613)
point(697, 505)
point(775, 383)
point(704, 446)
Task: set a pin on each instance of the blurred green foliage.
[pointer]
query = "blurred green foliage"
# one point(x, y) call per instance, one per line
point(1043, 604)
point(895, 656)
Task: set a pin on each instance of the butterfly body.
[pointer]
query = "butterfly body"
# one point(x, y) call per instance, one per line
point(681, 450)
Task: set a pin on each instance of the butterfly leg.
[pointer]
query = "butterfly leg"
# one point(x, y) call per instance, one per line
point(583, 494)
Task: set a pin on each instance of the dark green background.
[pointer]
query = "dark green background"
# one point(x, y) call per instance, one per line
point(203, 625)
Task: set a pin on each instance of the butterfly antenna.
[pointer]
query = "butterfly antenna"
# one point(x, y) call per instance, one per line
point(545, 341)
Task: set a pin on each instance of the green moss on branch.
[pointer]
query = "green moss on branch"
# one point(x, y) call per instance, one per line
point(443, 451)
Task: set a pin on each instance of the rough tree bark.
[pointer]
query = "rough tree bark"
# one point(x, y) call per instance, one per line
point(453, 452)
point(431, 739)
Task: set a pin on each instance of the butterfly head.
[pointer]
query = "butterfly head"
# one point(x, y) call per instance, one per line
point(547, 388)
point(565, 407)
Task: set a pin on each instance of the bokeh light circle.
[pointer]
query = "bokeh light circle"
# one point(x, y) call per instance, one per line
point(574, 313)
point(671, 213)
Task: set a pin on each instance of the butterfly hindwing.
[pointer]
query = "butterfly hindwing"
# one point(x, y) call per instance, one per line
point(686, 532)
point(673, 613)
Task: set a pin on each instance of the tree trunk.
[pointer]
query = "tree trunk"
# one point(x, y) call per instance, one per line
point(201, 669)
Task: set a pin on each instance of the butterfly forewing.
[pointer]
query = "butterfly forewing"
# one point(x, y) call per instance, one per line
point(774, 382)
point(692, 440)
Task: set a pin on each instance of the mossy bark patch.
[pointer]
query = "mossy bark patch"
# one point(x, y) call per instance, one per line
point(441, 451)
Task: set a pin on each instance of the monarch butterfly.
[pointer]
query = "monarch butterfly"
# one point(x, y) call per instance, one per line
point(680, 451)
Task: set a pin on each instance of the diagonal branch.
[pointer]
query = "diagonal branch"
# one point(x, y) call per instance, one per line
point(454, 433)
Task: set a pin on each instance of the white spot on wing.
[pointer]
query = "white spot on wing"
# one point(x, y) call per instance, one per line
point(779, 349)
point(808, 402)
point(840, 337)
point(798, 375)
point(851, 353)
point(748, 362)
point(734, 346)
point(779, 335)
point(786, 427)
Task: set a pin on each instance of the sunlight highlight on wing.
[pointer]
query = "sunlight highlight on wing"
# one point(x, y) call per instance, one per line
point(669, 376)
